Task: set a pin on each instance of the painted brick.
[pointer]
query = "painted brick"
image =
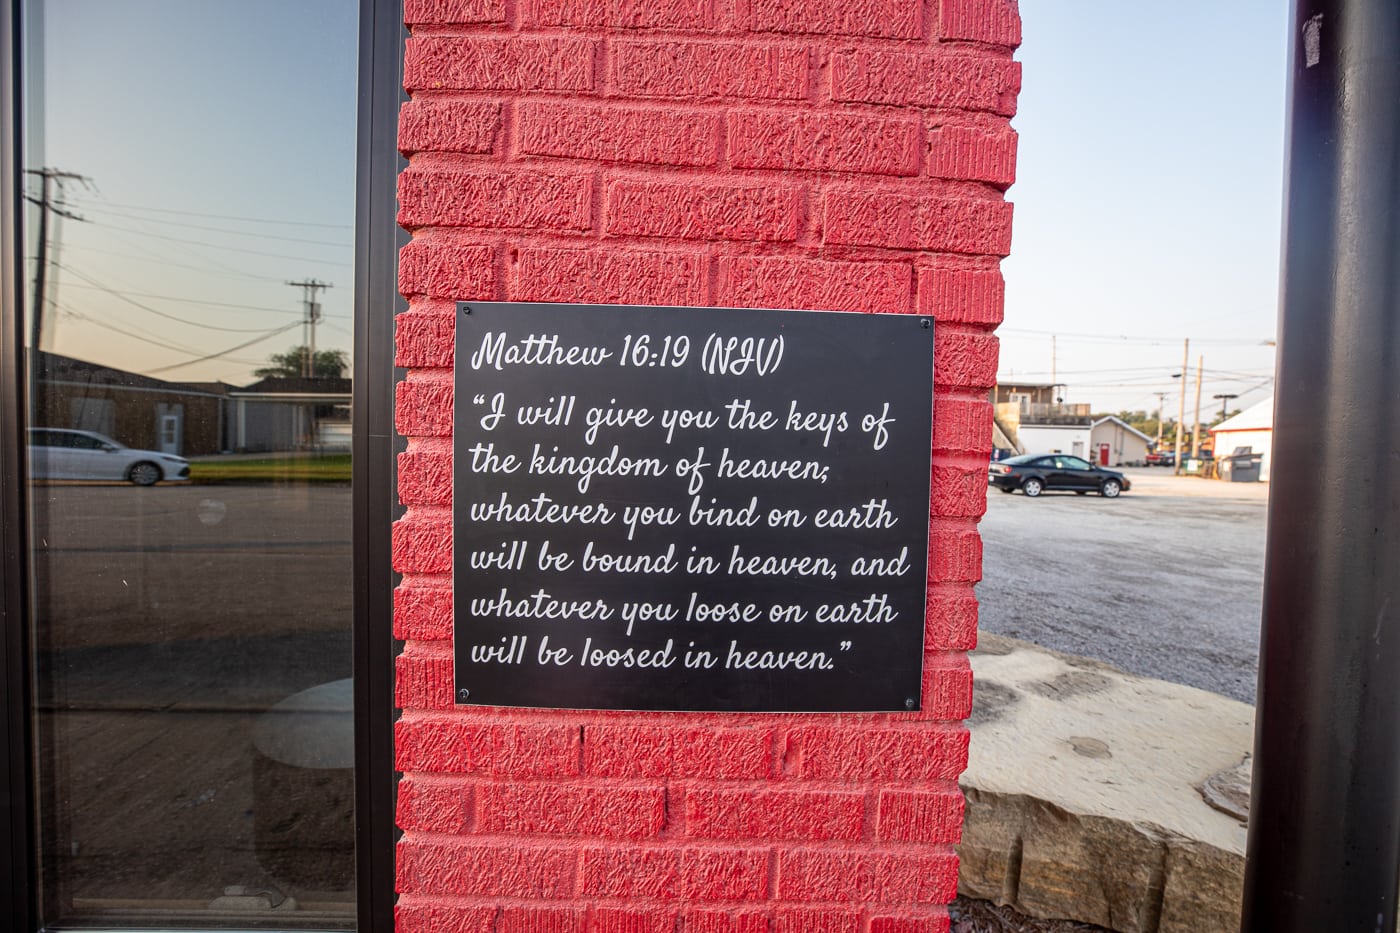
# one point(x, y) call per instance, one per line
point(422, 612)
point(564, 809)
point(619, 14)
point(816, 920)
point(728, 920)
point(448, 126)
point(423, 408)
point(452, 12)
point(454, 745)
point(973, 154)
point(424, 340)
point(498, 63)
point(624, 750)
point(631, 920)
point(696, 874)
point(919, 816)
point(525, 200)
point(501, 869)
point(520, 919)
point(702, 211)
point(847, 876)
point(899, 220)
point(780, 814)
point(965, 360)
point(958, 491)
point(996, 22)
point(609, 276)
point(828, 142)
point(704, 70)
point(411, 916)
point(886, 19)
point(663, 136)
point(446, 270)
point(947, 687)
point(422, 545)
point(926, 79)
point(425, 477)
point(434, 805)
point(423, 681)
point(962, 425)
point(950, 622)
point(840, 754)
point(963, 296)
point(956, 558)
point(777, 282)
point(924, 921)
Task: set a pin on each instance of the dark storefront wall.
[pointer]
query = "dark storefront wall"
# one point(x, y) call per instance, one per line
point(196, 686)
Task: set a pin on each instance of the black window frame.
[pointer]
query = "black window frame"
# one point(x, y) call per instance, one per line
point(377, 239)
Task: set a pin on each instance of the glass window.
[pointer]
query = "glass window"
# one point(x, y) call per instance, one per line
point(189, 182)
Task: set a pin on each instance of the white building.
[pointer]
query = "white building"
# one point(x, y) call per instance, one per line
point(1252, 428)
point(1108, 441)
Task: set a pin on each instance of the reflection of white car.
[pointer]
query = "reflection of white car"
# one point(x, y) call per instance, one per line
point(59, 453)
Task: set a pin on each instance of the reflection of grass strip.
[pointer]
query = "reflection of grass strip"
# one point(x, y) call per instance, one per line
point(308, 469)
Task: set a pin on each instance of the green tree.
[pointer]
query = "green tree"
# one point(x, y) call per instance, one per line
point(327, 364)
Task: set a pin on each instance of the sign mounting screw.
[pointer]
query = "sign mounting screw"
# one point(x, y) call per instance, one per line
point(463, 695)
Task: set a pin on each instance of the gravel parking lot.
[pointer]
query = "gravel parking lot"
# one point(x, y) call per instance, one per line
point(1164, 581)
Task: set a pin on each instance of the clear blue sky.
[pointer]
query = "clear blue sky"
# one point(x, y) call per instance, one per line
point(1148, 194)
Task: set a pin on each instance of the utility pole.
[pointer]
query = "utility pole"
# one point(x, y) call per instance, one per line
point(1181, 410)
point(1196, 425)
point(49, 179)
point(309, 288)
point(1224, 398)
point(1161, 403)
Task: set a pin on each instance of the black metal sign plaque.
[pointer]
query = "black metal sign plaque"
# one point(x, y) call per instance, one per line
point(690, 508)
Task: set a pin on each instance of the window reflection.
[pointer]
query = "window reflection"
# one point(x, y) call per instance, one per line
point(189, 182)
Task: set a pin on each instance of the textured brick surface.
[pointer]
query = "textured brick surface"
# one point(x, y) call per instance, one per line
point(702, 70)
point(922, 79)
point(659, 135)
point(702, 212)
point(838, 155)
point(832, 142)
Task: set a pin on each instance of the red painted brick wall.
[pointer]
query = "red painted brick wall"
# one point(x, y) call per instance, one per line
point(833, 154)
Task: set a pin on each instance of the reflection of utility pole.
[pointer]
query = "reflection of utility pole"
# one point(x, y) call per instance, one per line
point(47, 205)
point(1196, 425)
point(309, 288)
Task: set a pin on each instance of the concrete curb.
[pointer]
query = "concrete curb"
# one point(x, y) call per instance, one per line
point(1083, 798)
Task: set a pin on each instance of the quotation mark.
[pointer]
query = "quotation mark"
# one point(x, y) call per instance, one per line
point(845, 646)
point(479, 400)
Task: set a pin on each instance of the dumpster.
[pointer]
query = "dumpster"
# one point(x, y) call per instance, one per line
point(1243, 466)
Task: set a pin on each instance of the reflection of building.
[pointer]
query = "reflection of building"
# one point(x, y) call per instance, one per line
point(192, 419)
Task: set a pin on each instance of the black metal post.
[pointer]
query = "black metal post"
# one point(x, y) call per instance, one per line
point(1324, 830)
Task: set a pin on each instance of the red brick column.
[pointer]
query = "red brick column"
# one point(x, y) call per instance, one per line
point(831, 154)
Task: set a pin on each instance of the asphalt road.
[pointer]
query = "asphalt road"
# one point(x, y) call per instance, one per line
point(1164, 581)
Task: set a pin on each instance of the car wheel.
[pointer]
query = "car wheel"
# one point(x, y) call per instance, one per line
point(144, 473)
point(1110, 488)
point(1032, 487)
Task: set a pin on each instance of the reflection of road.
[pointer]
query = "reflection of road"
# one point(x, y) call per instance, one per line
point(1165, 581)
point(170, 618)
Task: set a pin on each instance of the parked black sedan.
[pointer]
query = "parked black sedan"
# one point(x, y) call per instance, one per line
point(1035, 473)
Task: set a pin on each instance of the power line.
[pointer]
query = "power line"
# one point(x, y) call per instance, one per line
point(252, 233)
point(144, 307)
point(191, 301)
point(223, 248)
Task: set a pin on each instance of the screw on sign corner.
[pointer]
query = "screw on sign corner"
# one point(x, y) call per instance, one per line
point(463, 695)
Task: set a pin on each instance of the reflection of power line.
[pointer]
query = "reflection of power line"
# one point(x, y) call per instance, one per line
point(194, 301)
point(253, 233)
point(49, 178)
point(222, 248)
point(309, 288)
point(214, 356)
point(80, 316)
point(225, 272)
point(255, 220)
point(144, 307)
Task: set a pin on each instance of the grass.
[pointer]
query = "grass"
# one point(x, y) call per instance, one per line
point(331, 468)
